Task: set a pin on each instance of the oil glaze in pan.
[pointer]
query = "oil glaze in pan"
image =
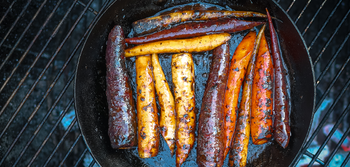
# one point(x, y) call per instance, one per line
point(90, 83)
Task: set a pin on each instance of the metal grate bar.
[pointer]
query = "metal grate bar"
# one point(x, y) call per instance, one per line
point(59, 143)
point(90, 8)
point(330, 134)
point(47, 92)
point(323, 121)
point(66, 86)
point(30, 118)
point(346, 160)
point(92, 163)
point(330, 157)
point(34, 62)
point(70, 149)
point(42, 122)
point(313, 18)
point(324, 25)
point(307, 153)
point(13, 25)
point(15, 46)
point(333, 59)
point(331, 38)
point(81, 157)
point(43, 72)
point(30, 45)
point(54, 127)
point(329, 87)
point(7, 11)
point(302, 12)
point(290, 6)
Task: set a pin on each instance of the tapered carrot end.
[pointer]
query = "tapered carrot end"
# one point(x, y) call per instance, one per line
point(256, 23)
point(171, 144)
point(226, 152)
point(181, 156)
point(269, 18)
point(179, 161)
point(282, 138)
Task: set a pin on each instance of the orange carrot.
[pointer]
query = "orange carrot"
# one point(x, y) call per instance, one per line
point(262, 96)
point(236, 75)
point(182, 68)
point(239, 144)
point(167, 120)
point(147, 114)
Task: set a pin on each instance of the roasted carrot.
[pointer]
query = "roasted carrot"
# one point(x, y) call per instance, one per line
point(198, 44)
point(240, 141)
point(156, 23)
point(122, 117)
point(262, 96)
point(281, 99)
point(184, 86)
point(211, 146)
point(147, 114)
point(239, 63)
point(195, 29)
point(167, 121)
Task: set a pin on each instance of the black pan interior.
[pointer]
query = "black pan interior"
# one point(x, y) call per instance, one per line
point(90, 99)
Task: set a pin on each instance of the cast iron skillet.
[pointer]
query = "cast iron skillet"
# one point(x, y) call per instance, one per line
point(90, 98)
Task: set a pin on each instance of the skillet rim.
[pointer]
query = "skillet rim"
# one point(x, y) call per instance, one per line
point(270, 1)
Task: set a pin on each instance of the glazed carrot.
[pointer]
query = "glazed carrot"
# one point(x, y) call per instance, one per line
point(239, 144)
point(195, 29)
point(210, 145)
point(122, 117)
point(156, 23)
point(262, 96)
point(167, 121)
point(147, 114)
point(198, 44)
point(239, 63)
point(281, 99)
point(184, 86)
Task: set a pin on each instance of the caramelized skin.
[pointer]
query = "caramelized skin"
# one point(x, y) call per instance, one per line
point(122, 117)
point(184, 86)
point(210, 148)
point(240, 141)
point(167, 120)
point(157, 23)
point(195, 29)
point(281, 109)
point(236, 75)
point(147, 114)
point(198, 44)
point(262, 96)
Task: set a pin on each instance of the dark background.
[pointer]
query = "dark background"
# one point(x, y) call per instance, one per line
point(40, 41)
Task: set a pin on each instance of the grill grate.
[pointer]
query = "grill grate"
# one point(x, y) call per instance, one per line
point(39, 44)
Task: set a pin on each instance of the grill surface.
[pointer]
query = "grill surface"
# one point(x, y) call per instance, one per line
point(39, 45)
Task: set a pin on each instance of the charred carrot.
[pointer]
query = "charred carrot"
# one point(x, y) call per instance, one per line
point(239, 63)
point(211, 146)
point(281, 99)
point(122, 117)
point(194, 29)
point(167, 120)
point(156, 23)
point(262, 96)
point(239, 144)
point(198, 44)
point(184, 86)
point(147, 114)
